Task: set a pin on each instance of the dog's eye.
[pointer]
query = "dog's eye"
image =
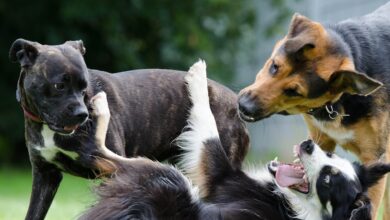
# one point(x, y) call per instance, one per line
point(59, 86)
point(83, 92)
point(327, 179)
point(291, 93)
point(273, 68)
point(329, 154)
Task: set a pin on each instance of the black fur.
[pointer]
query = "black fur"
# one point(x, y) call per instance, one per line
point(148, 108)
point(365, 40)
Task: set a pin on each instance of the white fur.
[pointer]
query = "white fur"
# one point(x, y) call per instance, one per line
point(201, 122)
point(335, 131)
point(49, 150)
point(309, 206)
point(101, 111)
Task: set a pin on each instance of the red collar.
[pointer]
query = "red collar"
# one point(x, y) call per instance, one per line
point(30, 115)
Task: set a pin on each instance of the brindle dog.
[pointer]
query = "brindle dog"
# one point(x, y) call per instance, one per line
point(148, 107)
point(334, 76)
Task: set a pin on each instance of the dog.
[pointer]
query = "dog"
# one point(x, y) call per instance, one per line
point(319, 185)
point(337, 76)
point(149, 110)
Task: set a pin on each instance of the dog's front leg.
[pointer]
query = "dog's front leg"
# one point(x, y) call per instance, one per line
point(45, 184)
point(101, 111)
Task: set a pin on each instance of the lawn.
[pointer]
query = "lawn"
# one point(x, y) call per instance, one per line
point(73, 196)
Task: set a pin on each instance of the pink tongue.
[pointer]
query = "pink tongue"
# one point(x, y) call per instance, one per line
point(289, 175)
point(71, 128)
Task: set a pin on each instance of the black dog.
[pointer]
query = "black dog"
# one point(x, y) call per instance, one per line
point(149, 109)
point(318, 186)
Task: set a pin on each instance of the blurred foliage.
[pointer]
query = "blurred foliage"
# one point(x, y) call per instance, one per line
point(122, 35)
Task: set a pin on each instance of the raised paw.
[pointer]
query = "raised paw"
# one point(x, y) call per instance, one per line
point(99, 105)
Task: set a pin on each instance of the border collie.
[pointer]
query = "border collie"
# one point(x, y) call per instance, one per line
point(318, 185)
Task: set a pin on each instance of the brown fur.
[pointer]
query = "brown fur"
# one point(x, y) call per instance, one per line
point(308, 48)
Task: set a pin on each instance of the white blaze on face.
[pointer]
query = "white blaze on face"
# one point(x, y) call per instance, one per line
point(318, 159)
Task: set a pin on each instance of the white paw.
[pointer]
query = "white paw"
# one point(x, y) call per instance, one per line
point(196, 80)
point(99, 105)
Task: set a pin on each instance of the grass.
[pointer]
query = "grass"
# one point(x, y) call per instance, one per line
point(73, 196)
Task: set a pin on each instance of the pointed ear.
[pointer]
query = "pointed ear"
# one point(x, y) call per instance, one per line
point(299, 36)
point(352, 82)
point(298, 45)
point(78, 45)
point(299, 24)
point(361, 208)
point(23, 51)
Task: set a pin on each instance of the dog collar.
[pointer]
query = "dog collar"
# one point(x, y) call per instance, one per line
point(328, 108)
point(30, 115)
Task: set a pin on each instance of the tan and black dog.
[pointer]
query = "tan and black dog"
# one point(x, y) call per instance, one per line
point(337, 76)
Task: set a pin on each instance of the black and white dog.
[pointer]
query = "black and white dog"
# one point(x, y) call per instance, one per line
point(149, 109)
point(318, 185)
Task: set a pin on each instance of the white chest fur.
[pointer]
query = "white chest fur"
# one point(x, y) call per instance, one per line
point(49, 150)
point(335, 131)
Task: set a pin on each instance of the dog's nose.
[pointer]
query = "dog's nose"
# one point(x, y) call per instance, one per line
point(248, 105)
point(80, 114)
point(307, 146)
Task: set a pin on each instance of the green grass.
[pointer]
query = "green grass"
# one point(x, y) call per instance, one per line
point(73, 196)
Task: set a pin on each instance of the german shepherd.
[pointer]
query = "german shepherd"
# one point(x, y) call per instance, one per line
point(337, 76)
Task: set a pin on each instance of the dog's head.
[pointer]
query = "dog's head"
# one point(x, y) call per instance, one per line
point(53, 82)
point(325, 180)
point(309, 67)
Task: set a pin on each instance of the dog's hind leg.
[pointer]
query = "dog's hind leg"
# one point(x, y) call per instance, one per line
point(203, 160)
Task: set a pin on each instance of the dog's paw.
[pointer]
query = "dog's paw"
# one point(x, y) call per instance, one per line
point(196, 80)
point(99, 105)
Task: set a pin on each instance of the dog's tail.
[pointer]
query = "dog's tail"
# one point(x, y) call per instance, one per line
point(204, 161)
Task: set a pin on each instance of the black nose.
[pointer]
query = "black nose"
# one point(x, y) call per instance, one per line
point(249, 106)
point(80, 114)
point(307, 146)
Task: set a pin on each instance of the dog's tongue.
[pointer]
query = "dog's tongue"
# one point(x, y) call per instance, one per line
point(71, 128)
point(289, 175)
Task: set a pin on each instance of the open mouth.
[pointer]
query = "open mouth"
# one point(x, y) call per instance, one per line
point(248, 118)
point(67, 130)
point(291, 175)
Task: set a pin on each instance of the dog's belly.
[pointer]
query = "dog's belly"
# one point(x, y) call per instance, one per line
point(49, 151)
point(335, 131)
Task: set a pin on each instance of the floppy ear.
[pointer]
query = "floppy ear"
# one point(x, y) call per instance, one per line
point(352, 82)
point(23, 51)
point(361, 208)
point(78, 45)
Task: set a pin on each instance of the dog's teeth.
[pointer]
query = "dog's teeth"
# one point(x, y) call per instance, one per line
point(305, 178)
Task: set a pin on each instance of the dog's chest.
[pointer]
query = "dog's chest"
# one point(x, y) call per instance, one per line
point(335, 131)
point(50, 150)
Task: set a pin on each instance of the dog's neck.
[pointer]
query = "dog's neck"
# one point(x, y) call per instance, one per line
point(29, 115)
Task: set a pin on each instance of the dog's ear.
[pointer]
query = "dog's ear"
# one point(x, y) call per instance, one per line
point(23, 51)
point(299, 36)
point(370, 175)
point(352, 82)
point(78, 45)
point(299, 24)
point(298, 45)
point(361, 208)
